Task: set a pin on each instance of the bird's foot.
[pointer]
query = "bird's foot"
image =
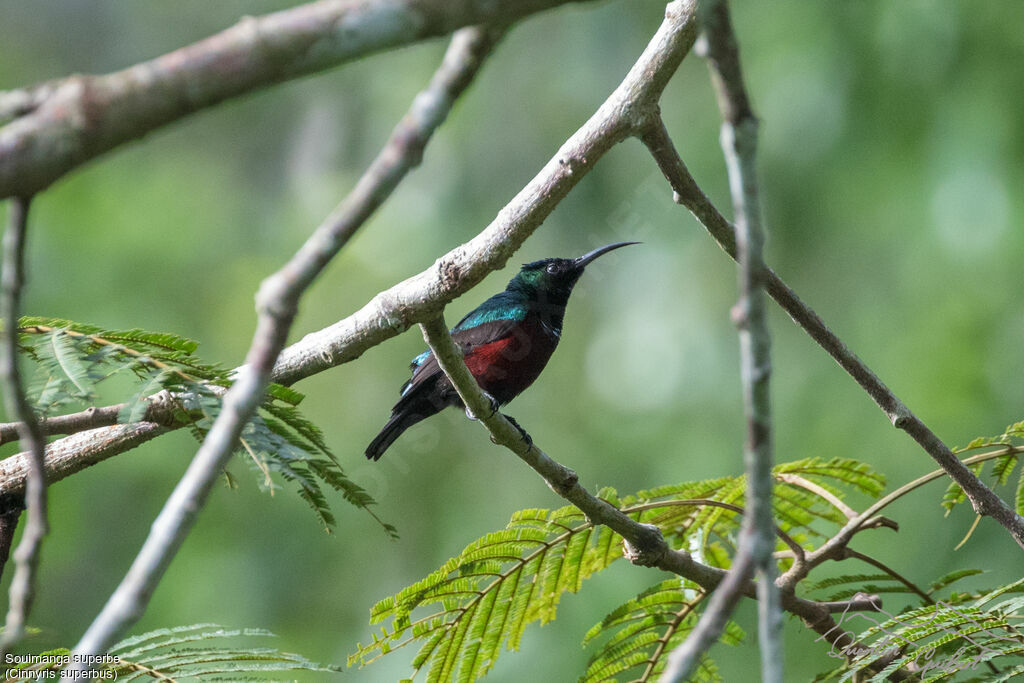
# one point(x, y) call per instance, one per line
point(522, 432)
point(494, 407)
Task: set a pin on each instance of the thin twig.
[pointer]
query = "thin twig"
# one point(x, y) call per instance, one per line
point(687, 192)
point(835, 547)
point(878, 564)
point(26, 557)
point(90, 418)
point(65, 123)
point(756, 543)
point(892, 497)
point(277, 304)
point(683, 660)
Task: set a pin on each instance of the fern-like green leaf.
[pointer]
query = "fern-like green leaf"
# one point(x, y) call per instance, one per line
point(641, 632)
point(938, 641)
point(1018, 499)
point(285, 394)
point(171, 654)
point(72, 358)
point(955, 495)
point(951, 578)
point(464, 613)
point(484, 598)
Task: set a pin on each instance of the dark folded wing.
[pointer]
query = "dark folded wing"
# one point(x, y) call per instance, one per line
point(425, 366)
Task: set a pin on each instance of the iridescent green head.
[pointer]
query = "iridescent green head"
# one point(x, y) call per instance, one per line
point(552, 279)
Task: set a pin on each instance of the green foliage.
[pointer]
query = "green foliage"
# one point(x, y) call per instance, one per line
point(485, 597)
point(647, 627)
point(1006, 460)
point(73, 358)
point(199, 651)
point(936, 641)
point(482, 599)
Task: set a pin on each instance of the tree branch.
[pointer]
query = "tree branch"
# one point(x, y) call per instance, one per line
point(644, 543)
point(688, 193)
point(756, 540)
point(65, 123)
point(26, 557)
point(90, 418)
point(277, 304)
point(835, 547)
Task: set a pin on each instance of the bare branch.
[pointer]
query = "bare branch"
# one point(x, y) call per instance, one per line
point(65, 123)
point(26, 557)
point(756, 541)
point(687, 192)
point(277, 304)
point(90, 418)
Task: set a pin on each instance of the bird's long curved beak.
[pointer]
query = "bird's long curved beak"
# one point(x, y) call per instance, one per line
point(582, 261)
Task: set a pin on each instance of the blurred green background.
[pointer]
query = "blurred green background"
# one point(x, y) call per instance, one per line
point(891, 144)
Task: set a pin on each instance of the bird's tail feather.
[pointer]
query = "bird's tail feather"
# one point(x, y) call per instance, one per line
point(404, 415)
point(391, 431)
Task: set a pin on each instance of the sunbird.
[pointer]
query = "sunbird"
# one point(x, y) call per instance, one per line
point(506, 341)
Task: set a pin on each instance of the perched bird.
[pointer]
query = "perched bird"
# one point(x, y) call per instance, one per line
point(506, 342)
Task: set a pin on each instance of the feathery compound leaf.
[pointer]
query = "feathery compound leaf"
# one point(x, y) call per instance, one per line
point(938, 641)
point(156, 340)
point(955, 495)
point(1014, 431)
point(1019, 497)
point(645, 629)
point(284, 394)
point(72, 358)
point(847, 471)
point(162, 655)
point(169, 654)
point(479, 602)
point(30, 321)
point(62, 373)
point(484, 598)
point(1003, 468)
point(951, 578)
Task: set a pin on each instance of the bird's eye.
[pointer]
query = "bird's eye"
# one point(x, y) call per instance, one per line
point(552, 268)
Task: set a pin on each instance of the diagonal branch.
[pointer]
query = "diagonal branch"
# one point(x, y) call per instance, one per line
point(64, 123)
point(26, 556)
point(756, 541)
point(277, 304)
point(644, 543)
point(688, 193)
